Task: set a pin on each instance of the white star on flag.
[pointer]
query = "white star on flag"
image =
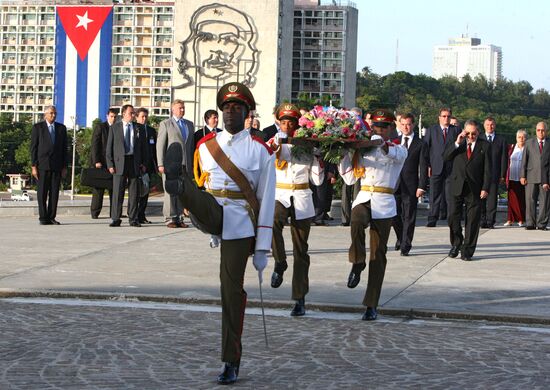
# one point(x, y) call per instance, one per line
point(83, 21)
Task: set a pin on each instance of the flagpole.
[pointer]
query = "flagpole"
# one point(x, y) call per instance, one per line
point(73, 118)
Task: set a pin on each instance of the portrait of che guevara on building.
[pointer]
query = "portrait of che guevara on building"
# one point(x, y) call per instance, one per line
point(221, 46)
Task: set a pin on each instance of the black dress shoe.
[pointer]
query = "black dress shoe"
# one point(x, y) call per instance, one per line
point(431, 224)
point(345, 223)
point(276, 279)
point(529, 228)
point(370, 314)
point(229, 374)
point(397, 245)
point(355, 274)
point(466, 257)
point(483, 225)
point(45, 222)
point(454, 251)
point(319, 223)
point(95, 216)
point(542, 228)
point(54, 222)
point(115, 223)
point(299, 308)
point(490, 226)
point(135, 224)
point(404, 253)
point(145, 221)
point(173, 160)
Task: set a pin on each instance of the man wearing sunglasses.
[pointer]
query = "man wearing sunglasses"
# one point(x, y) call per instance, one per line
point(378, 168)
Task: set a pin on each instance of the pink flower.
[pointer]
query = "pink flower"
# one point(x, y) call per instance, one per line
point(329, 121)
point(345, 130)
point(313, 135)
point(357, 126)
point(310, 124)
point(302, 121)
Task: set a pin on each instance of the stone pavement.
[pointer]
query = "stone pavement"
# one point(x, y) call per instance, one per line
point(509, 279)
point(104, 345)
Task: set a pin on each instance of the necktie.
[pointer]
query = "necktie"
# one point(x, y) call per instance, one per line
point(469, 151)
point(444, 134)
point(182, 129)
point(407, 142)
point(52, 133)
point(540, 146)
point(127, 140)
point(490, 138)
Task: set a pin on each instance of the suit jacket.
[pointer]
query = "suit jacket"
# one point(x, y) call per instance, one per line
point(169, 132)
point(269, 132)
point(435, 147)
point(476, 171)
point(44, 154)
point(499, 157)
point(545, 163)
point(201, 133)
point(414, 173)
point(151, 141)
point(531, 162)
point(115, 148)
point(98, 152)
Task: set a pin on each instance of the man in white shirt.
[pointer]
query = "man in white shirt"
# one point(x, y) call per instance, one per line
point(378, 169)
point(293, 199)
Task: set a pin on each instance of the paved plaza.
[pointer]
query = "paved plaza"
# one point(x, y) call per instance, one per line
point(103, 345)
point(139, 309)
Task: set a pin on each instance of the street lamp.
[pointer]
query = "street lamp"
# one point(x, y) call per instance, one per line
point(75, 129)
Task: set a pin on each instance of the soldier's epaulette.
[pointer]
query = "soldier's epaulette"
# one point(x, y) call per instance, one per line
point(206, 138)
point(258, 139)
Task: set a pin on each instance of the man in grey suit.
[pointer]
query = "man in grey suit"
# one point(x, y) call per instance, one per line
point(531, 174)
point(175, 130)
point(126, 160)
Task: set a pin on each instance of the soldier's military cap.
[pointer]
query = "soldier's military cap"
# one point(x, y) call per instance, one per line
point(382, 117)
point(288, 111)
point(235, 92)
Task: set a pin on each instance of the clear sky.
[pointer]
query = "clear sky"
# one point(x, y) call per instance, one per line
point(520, 27)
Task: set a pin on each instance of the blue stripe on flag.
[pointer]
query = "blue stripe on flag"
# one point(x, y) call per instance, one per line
point(105, 48)
point(59, 80)
point(81, 90)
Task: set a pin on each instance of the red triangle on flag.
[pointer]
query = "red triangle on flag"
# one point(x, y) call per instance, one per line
point(82, 24)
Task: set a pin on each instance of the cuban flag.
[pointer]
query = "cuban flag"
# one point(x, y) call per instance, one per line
point(83, 63)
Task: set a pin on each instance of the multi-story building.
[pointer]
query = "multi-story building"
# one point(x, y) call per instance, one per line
point(154, 59)
point(27, 47)
point(467, 56)
point(142, 61)
point(325, 50)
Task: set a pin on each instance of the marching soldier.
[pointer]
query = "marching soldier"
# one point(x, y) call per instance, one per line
point(293, 199)
point(238, 173)
point(378, 169)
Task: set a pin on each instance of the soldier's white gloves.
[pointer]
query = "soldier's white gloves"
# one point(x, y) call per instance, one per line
point(260, 262)
point(280, 135)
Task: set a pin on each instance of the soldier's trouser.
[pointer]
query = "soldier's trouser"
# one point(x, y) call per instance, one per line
point(361, 218)
point(234, 256)
point(299, 230)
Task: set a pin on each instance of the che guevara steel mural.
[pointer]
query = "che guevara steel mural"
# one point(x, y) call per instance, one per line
point(221, 45)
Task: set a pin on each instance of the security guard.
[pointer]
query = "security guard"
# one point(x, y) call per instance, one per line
point(378, 168)
point(224, 209)
point(293, 199)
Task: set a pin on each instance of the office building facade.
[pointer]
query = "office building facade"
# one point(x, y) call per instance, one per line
point(467, 56)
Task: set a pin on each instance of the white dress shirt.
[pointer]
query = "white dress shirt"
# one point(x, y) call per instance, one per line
point(256, 163)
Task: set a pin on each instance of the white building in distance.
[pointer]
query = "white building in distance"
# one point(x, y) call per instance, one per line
point(467, 56)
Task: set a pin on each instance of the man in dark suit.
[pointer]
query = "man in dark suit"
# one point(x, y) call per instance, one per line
point(151, 166)
point(211, 120)
point(532, 173)
point(270, 131)
point(470, 182)
point(49, 163)
point(499, 166)
point(409, 188)
point(545, 167)
point(437, 137)
point(98, 159)
point(126, 160)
